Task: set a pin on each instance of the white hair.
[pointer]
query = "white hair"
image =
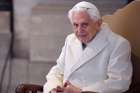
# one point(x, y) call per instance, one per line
point(90, 8)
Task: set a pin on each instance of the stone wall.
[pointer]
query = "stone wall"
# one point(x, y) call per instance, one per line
point(49, 27)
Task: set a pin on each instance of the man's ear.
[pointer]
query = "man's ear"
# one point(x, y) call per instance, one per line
point(98, 24)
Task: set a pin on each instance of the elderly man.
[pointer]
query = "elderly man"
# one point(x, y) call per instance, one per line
point(93, 59)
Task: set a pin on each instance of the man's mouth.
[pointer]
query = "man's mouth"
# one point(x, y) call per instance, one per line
point(82, 35)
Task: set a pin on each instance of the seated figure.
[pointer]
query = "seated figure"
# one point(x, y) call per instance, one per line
point(93, 59)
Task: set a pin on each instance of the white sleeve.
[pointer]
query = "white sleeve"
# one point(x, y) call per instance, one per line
point(55, 75)
point(119, 72)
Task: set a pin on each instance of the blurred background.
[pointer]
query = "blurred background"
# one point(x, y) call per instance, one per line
point(32, 33)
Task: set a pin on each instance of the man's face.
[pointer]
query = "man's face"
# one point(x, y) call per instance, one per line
point(84, 27)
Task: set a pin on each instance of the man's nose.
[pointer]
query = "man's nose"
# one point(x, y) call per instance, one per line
point(79, 28)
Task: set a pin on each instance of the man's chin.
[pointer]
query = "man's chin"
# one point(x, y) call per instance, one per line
point(84, 41)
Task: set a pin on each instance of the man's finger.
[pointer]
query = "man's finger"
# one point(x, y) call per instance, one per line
point(59, 89)
point(67, 83)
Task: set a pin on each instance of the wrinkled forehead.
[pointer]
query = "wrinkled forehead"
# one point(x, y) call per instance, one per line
point(81, 15)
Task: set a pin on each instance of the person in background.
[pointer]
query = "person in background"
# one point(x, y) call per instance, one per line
point(93, 60)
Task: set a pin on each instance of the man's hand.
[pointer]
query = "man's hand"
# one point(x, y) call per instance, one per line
point(69, 88)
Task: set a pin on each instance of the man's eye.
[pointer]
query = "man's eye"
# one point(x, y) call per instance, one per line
point(84, 25)
point(75, 25)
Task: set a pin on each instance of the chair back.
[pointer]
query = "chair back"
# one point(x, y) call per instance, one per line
point(126, 22)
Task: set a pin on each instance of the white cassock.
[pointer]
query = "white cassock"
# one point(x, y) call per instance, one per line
point(104, 66)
